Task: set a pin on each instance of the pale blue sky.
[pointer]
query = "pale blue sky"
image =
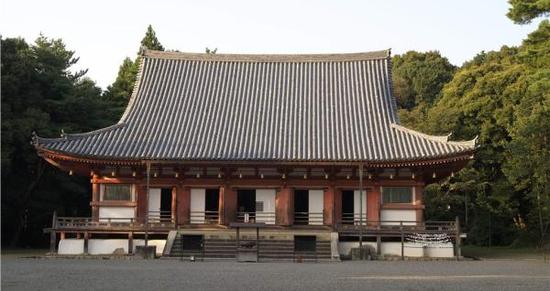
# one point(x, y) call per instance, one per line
point(104, 32)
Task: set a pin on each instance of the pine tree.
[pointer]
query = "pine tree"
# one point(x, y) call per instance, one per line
point(121, 90)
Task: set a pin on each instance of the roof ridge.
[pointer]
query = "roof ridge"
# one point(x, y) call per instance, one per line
point(329, 57)
point(436, 138)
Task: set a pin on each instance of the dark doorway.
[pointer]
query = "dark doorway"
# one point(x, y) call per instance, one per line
point(166, 204)
point(347, 207)
point(301, 206)
point(305, 243)
point(211, 205)
point(246, 200)
point(212, 199)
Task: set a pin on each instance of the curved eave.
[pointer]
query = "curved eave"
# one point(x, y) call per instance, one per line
point(59, 155)
point(444, 139)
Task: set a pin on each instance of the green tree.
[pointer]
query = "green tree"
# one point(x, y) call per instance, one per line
point(503, 98)
point(122, 88)
point(40, 93)
point(150, 40)
point(524, 11)
point(418, 77)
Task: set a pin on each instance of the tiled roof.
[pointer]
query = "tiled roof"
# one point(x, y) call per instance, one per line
point(260, 108)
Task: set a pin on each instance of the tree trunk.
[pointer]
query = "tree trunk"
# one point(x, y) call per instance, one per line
point(26, 198)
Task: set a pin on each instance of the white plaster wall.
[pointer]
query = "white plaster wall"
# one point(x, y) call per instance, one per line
point(154, 199)
point(267, 196)
point(116, 212)
point(397, 215)
point(315, 206)
point(159, 243)
point(103, 246)
point(197, 204)
point(344, 248)
point(106, 246)
point(357, 204)
point(440, 251)
point(71, 247)
point(394, 248)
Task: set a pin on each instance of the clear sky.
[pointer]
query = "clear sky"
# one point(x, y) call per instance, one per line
point(104, 32)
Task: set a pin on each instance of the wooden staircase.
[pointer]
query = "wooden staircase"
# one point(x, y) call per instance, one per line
point(225, 249)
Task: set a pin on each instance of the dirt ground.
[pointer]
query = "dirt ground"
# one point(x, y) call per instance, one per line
point(20, 272)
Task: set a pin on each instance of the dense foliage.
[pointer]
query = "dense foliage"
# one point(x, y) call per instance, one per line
point(524, 11)
point(39, 93)
point(502, 97)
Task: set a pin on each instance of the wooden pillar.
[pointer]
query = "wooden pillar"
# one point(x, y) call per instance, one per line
point(419, 200)
point(62, 235)
point(458, 242)
point(95, 199)
point(328, 206)
point(86, 242)
point(183, 205)
point(227, 206)
point(337, 205)
point(53, 242)
point(173, 206)
point(373, 204)
point(221, 205)
point(402, 240)
point(141, 203)
point(53, 238)
point(284, 206)
point(130, 243)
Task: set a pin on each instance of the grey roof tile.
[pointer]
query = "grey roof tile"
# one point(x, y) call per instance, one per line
point(260, 107)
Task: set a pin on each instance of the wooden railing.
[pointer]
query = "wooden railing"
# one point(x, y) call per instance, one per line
point(160, 217)
point(308, 218)
point(204, 217)
point(265, 217)
point(396, 226)
point(83, 223)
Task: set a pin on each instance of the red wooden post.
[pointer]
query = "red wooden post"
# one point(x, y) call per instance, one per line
point(337, 205)
point(174, 206)
point(95, 199)
point(183, 205)
point(328, 206)
point(227, 205)
point(373, 204)
point(418, 200)
point(141, 202)
point(284, 206)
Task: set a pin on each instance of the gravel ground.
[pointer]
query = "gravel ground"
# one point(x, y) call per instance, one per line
point(89, 274)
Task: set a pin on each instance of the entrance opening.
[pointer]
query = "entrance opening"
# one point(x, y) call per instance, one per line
point(246, 204)
point(347, 207)
point(211, 205)
point(301, 206)
point(305, 243)
point(160, 204)
point(166, 204)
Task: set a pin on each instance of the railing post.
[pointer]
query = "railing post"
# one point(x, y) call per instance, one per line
point(53, 238)
point(457, 238)
point(130, 243)
point(402, 240)
point(86, 241)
